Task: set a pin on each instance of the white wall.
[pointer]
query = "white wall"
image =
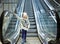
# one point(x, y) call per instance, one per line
point(8, 5)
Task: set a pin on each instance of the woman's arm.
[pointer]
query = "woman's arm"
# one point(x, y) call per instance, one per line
point(17, 16)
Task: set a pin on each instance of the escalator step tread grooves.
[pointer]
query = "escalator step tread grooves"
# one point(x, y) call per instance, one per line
point(11, 25)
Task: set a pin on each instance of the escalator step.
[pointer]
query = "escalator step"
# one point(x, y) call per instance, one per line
point(11, 27)
point(32, 23)
point(12, 23)
point(31, 34)
point(13, 19)
point(33, 26)
point(31, 17)
point(31, 20)
point(31, 31)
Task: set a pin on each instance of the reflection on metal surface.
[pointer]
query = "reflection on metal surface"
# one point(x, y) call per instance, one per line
point(46, 21)
point(57, 2)
point(49, 5)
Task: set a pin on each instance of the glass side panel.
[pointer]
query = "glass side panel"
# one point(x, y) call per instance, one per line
point(7, 25)
point(49, 26)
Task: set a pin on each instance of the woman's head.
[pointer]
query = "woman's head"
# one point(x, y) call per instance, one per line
point(24, 15)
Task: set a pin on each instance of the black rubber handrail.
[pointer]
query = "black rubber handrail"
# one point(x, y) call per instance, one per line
point(1, 24)
point(58, 24)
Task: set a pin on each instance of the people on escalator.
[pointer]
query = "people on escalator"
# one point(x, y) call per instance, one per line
point(25, 24)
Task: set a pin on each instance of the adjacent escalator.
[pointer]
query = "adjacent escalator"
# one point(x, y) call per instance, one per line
point(11, 33)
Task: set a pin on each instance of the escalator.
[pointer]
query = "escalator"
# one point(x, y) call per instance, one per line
point(54, 7)
point(4, 22)
point(32, 35)
point(9, 30)
point(46, 17)
point(39, 14)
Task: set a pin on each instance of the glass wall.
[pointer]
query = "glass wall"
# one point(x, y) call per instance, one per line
point(9, 4)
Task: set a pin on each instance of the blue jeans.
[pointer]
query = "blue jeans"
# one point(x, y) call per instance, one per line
point(24, 33)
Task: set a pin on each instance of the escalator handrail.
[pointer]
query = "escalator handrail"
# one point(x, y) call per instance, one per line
point(49, 5)
point(56, 2)
point(58, 25)
point(4, 13)
point(53, 15)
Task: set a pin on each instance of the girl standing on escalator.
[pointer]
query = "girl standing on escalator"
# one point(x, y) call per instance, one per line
point(25, 24)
